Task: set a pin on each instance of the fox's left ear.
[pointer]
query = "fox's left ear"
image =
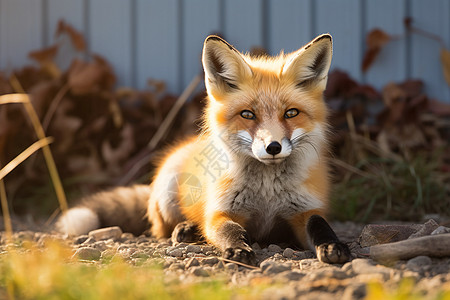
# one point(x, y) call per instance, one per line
point(311, 63)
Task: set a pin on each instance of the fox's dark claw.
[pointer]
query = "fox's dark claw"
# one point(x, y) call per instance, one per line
point(246, 256)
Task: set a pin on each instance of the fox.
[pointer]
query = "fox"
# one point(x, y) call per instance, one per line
point(257, 172)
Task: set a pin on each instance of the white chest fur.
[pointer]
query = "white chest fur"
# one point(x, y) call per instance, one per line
point(265, 193)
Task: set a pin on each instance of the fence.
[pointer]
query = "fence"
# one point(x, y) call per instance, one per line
point(162, 39)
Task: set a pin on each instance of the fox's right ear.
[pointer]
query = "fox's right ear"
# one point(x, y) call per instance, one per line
point(224, 66)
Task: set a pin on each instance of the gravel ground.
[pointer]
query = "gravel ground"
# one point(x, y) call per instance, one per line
point(291, 273)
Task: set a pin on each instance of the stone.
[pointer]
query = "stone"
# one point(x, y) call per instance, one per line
point(256, 246)
point(355, 291)
point(275, 268)
point(367, 267)
point(106, 233)
point(101, 245)
point(80, 239)
point(441, 230)
point(274, 248)
point(292, 275)
point(175, 252)
point(199, 271)
point(300, 255)
point(193, 248)
point(426, 229)
point(89, 241)
point(176, 266)
point(373, 234)
point(231, 267)
point(86, 253)
point(417, 264)
point(192, 262)
point(328, 272)
point(210, 261)
point(108, 254)
point(126, 236)
point(288, 253)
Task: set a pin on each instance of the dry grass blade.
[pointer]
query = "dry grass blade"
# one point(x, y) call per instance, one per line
point(5, 210)
point(162, 130)
point(165, 125)
point(13, 98)
point(46, 149)
point(238, 263)
point(348, 167)
point(24, 155)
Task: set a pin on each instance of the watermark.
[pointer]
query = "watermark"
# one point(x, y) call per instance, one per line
point(186, 187)
point(213, 161)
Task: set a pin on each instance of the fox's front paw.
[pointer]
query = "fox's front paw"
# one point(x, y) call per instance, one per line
point(333, 253)
point(185, 232)
point(246, 256)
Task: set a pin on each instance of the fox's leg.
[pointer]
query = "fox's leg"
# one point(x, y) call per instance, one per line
point(314, 233)
point(229, 235)
point(186, 232)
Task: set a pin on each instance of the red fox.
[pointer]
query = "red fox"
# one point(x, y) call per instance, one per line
point(257, 172)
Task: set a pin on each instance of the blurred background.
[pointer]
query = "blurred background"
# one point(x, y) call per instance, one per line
point(104, 74)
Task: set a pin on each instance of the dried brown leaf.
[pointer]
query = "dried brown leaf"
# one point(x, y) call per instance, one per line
point(45, 54)
point(76, 37)
point(90, 77)
point(375, 41)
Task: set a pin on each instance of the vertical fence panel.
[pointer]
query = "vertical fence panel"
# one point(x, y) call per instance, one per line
point(158, 42)
point(432, 16)
point(243, 23)
point(200, 18)
point(342, 19)
point(110, 35)
point(21, 30)
point(390, 65)
point(289, 25)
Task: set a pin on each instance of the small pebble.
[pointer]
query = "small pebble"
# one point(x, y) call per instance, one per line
point(80, 239)
point(175, 252)
point(101, 245)
point(193, 249)
point(274, 248)
point(106, 233)
point(199, 271)
point(416, 264)
point(210, 261)
point(192, 262)
point(441, 230)
point(87, 253)
point(288, 252)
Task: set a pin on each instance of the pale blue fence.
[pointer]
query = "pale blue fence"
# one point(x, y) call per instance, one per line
point(162, 39)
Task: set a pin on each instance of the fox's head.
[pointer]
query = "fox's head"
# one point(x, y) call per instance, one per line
point(267, 107)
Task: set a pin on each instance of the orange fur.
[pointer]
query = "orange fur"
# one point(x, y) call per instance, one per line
point(268, 87)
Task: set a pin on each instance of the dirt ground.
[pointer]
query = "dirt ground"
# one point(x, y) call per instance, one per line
point(289, 273)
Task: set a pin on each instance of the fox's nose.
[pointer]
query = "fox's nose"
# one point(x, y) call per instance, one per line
point(274, 148)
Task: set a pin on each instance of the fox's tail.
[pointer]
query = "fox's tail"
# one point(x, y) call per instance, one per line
point(125, 207)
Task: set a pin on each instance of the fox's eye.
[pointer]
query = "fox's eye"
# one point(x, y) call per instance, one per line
point(291, 113)
point(246, 114)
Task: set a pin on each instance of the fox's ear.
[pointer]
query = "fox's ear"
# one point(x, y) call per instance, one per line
point(310, 64)
point(224, 66)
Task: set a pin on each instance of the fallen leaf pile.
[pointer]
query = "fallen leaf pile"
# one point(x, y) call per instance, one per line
point(102, 132)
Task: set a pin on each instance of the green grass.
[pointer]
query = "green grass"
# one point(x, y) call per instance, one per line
point(391, 189)
point(52, 273)
point(405, 290)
